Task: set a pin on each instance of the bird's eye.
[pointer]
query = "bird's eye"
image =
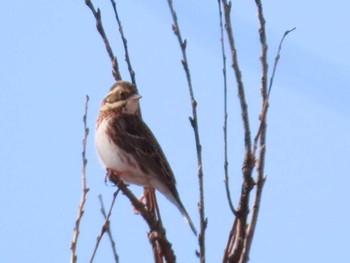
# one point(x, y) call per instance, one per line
point(122, 95)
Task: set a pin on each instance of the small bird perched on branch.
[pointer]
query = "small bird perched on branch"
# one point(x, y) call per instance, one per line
point(126, 146)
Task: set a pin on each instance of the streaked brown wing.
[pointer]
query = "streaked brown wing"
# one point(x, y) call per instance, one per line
point(133, 136)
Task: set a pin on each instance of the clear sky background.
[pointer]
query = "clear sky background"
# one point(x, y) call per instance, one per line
point(51, 56)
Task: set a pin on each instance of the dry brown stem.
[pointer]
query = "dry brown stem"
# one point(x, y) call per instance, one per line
point(100, 29)
point(152, 207)
point(108, 229)
point(226, 177)
point(194, 123)
point(160, 245)
point(104, 227)
point(235, 243)
point(242, 232)
point(156, 234)
point(250, 228)
point(261, 159)
point(125, 43)
point(84, 188)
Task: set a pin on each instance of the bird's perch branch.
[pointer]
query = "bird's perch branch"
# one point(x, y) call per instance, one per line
point(161, 246)
point(157, 232)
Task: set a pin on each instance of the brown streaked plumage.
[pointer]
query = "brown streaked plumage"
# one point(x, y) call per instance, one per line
point(127, 146)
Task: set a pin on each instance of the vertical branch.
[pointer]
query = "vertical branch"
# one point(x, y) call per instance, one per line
point(100, 29)
point(263, 56)
point(84, 188)
point(125, 44)
point(108, 228)
point(264, 103)
point(226, 178)
point(261, 157)
point(238, 75)
point(260, 162)
point(194, 124)
point(235, 243)
point(105, 226)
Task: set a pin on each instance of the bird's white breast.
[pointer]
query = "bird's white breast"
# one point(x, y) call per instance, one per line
point(109, 153)
point(112, 157)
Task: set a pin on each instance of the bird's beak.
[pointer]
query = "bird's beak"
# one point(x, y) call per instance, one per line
point(136, 97)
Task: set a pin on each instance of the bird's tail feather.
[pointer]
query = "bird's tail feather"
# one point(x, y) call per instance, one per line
point(187, 217)
point(175, 199)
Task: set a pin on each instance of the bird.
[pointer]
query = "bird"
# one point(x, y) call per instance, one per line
point(127, 146)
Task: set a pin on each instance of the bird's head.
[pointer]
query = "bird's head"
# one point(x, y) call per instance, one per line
point(122, 97)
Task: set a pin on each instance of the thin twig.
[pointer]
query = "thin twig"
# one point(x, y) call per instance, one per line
point(260, 161)
point(194, 123)
point(232, 252)
point(264, 70)
point(157, 231)
point(84, 188)
point(266, 102)
point(108, 229)
point(100, 29)
point(263, 44)
point(105, 226)
point(226, 178)
point(126, 49)
point(238, 75)
point(125, 43)
point(277, 58)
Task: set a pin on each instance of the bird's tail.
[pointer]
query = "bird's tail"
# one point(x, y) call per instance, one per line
point(183, 211)
point(175, 199)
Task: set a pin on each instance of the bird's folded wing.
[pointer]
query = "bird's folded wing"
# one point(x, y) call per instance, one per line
point(133, 136)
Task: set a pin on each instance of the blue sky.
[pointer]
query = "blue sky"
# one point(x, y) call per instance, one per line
point(51, 56)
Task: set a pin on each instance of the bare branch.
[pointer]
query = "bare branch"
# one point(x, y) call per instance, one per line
point(261, 160)
point(266, 102)
point(231, 240)
point(238, 75)
point(277, 58)
point(152, 207)
point(125, 43)
point(105, 226)
point(263, 56)
point(108, 229)
point(226, 178)
point(194, 123)
point(237, 236)
point(84, 188)
point(100, 29)
point(157, 232)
